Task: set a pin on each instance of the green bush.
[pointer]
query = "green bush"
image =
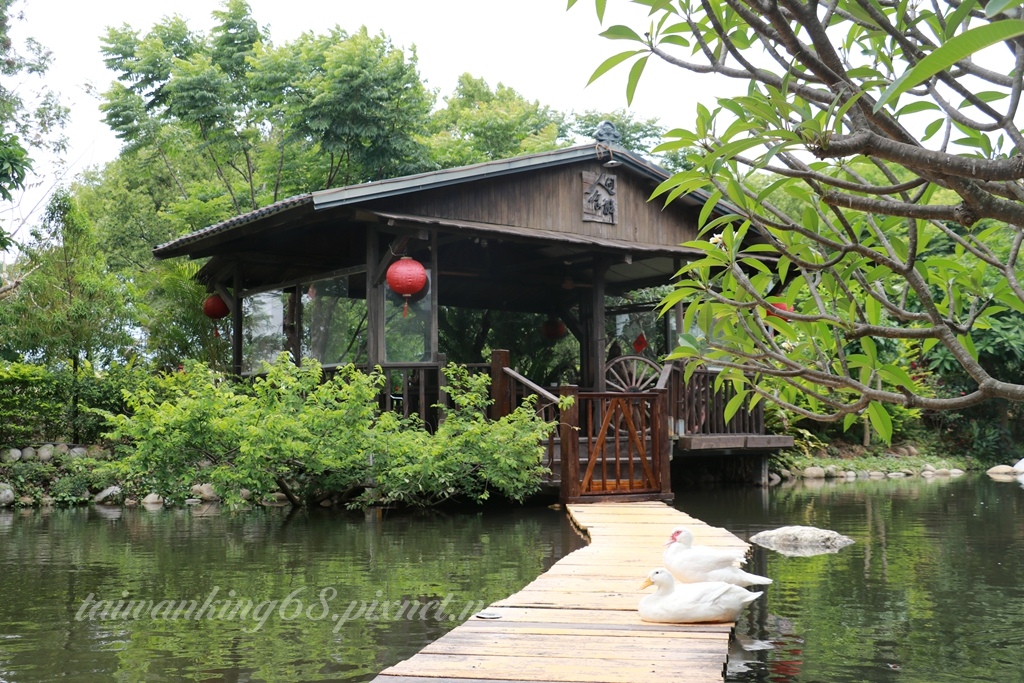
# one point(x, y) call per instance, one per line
point(28, 478)
point(314, 439)
point(467, 457)
point(40, 404)
point(29, 403)
point(71, 489)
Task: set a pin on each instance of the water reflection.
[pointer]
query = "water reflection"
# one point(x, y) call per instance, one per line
point(931, 591)
point(52, 561)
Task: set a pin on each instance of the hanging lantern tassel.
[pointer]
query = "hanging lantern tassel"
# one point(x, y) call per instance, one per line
point(640, 343)
point(216, 331)
point(406, 277)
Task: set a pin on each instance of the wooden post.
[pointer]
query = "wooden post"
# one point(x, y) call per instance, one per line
point(664, 444)
point(570, 446)
point(435, 279)
point(598, 339)
point(502, 401)
point(442, 382)
point(374, 303)
point(237, 318)
point(587, 329)
point(293, 324)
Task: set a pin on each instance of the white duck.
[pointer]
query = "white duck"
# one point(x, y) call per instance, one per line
point(692, 564)
point(687, 603)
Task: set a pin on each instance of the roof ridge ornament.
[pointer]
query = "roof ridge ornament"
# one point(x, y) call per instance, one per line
point(607, 133)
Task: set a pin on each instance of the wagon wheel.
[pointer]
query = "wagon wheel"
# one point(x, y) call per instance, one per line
point(633, 374)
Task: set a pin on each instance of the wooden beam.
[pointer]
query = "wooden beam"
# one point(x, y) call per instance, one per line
point(225, 296)
point(571, 322)
point(397, 245)
point(306, 279)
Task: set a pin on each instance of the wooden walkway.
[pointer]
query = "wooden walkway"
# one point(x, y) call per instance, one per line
point(577, 622)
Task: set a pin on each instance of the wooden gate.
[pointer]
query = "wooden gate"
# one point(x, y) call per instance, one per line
point(615, 446)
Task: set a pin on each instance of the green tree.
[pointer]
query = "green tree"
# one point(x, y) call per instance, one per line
point(890, 128)
point(31, 115)
point(478, 124)
point(72, 314)
point(73, 309)
point(261, 122)
point(638, 135)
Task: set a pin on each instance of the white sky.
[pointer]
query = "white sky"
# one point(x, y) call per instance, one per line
point(534, 46)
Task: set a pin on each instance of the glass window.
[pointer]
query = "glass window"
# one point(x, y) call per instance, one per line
point(407, 333)
point(263, 338)
point(334, 325)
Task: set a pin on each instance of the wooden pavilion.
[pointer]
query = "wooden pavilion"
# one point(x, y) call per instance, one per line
point(553, 233)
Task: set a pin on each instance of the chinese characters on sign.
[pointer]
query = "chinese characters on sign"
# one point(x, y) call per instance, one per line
point(599, 202)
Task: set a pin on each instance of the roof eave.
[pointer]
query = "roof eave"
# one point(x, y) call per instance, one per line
point(382, 189)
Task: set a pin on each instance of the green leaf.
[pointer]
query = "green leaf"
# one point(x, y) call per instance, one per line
point(610, 63)
point(870, 349)
point(708, 207)
point(880, 420)
point(849, 420)
point(620, 32)
point(734, 404)
point(915, 107)
point(954, 20)
point(599, 5)
point(896, 375)
point(955, 49)
point(969, 345)
point(997, 6)
point(634, 78)
point(674, 40)
point(932, 129)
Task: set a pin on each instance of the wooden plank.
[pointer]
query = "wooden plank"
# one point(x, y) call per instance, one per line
point(769, 441)
point(570, 616)
point(389, 678)
point(492, 643)
point(578, 623)
point(573, 669)
point(698, 443)
point(713, 633)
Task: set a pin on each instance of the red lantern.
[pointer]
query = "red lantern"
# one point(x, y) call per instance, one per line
point(781, 307)
point(215, 308)
point(406, 276)
point(552, 329)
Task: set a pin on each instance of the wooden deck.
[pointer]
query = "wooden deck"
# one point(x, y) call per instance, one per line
point(577, 622)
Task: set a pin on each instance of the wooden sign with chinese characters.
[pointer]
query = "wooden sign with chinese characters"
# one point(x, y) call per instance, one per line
point(599, 202)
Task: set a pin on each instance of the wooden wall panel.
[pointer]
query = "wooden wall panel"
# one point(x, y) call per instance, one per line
point(552, 199)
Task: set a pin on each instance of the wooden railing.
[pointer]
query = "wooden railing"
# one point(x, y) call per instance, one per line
point(414, 389)
point(623, 440)
point(509, 389)
point(698, 409)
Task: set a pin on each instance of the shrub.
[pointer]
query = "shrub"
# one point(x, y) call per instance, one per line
point(468, 456)
point(29, 403)
point(291, 431)
point(40, 404)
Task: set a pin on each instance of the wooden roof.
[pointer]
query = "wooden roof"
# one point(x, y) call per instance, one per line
point(504, 223)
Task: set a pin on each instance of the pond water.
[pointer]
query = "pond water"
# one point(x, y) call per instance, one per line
point(931, 592)
point(102, 594)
